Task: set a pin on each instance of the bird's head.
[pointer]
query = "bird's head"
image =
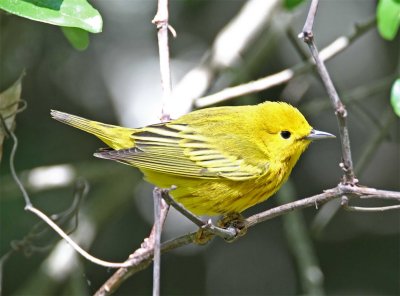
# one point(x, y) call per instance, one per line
point(284, 132)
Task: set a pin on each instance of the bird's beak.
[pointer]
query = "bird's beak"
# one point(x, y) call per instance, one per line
point(319, 135)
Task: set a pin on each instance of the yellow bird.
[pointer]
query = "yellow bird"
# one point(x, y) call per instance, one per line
point(222, 160)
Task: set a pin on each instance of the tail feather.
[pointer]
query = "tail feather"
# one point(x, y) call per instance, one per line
point(114, 136)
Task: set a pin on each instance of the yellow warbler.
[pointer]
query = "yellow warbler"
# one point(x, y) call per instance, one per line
point(222, 160)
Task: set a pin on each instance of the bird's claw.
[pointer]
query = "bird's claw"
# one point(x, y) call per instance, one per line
point(235, 221)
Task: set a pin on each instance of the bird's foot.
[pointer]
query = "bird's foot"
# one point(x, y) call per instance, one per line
point(235, 220)
point(230, 227)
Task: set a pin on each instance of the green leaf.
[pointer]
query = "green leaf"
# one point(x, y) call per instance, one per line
point(67, 13)
point(388, 18)
point(290, 4)
point(395, 97)
point(78, 38)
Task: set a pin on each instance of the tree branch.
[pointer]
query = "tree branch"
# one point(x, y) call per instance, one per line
point(340, 109)
point(308, 26)
point(142, 259)
point(30, 207)
point(284, 76)
point(229, 45)
point(325, 216)
point(347, 207)
point(138, 260)
point(161, 22)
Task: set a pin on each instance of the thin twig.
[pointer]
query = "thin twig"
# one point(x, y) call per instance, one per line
point(231, 43)
point(138, 260)
point(370, 210)
point(157, 199)
point(370, 193)
point(284, 76)
point(340, 109)
point(142, 257)
point(341, 114)
point(347, 207)
point(12, 167)
point(308, 26)
point(73, 244)
point(29, 207)
point(315, 200)
point(161, 22)
point(26, 244)
point(80, 191)
point(323, 217)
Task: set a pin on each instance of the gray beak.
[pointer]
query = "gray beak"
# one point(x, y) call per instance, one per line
point(319, 135)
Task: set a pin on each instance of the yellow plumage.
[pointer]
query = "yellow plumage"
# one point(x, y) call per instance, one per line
point(222, 160)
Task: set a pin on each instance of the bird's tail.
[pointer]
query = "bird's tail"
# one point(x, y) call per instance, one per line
point(114, 136)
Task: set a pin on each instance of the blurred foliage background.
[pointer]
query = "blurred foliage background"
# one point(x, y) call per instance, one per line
point(116, 80)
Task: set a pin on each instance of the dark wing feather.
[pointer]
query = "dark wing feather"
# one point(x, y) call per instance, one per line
point(177, 149)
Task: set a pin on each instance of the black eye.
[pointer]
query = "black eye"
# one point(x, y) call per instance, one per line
point(285, 134)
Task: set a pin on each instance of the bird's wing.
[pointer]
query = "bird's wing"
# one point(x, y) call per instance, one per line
point(177, 149)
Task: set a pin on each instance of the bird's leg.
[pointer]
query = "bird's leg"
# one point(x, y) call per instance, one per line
point(207, 229)
point(235, 220)
point(203, 235)
point(230, 227)
point(180, 208)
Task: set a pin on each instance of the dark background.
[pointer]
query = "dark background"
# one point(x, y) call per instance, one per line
point(116, 80)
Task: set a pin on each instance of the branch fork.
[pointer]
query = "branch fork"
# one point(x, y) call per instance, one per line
point(348, 188)
point(160, 21)
point(339, 107)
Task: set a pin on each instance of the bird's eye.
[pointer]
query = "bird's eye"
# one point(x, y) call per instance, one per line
point(285, 134)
